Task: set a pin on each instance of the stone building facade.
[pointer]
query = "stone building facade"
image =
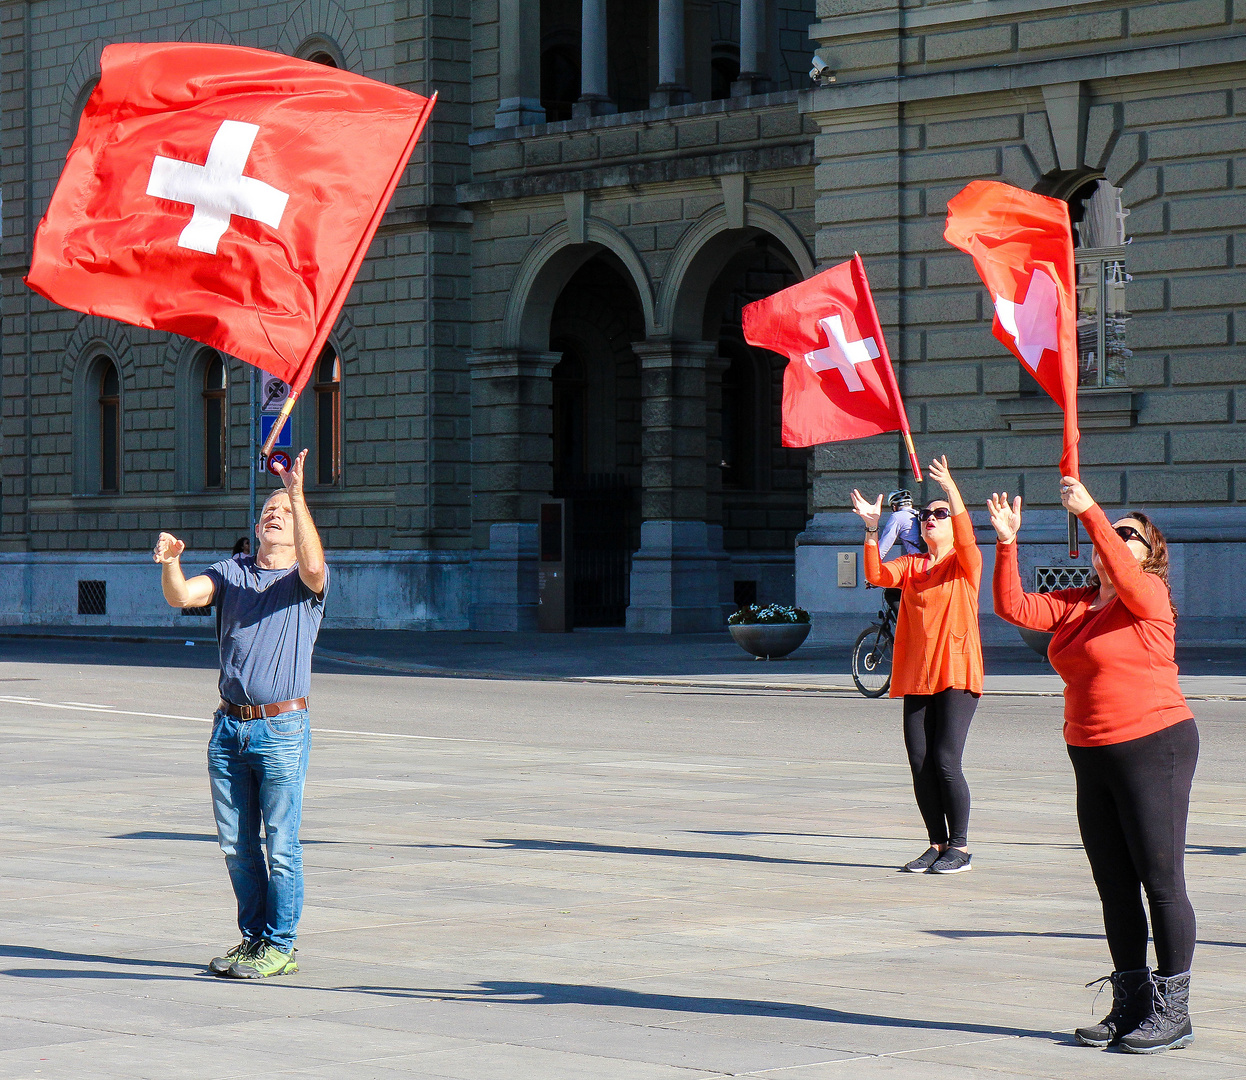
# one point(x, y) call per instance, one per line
point(551, 306)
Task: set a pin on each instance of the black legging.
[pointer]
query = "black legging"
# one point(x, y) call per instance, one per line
point(935, 729)
point(1133, 799)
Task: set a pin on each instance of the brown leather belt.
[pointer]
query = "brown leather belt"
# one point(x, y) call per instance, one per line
point(255, 712)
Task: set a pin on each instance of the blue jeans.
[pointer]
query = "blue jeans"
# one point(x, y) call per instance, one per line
point(257, 769)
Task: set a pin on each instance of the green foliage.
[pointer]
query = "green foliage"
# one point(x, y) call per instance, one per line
point(772, 613)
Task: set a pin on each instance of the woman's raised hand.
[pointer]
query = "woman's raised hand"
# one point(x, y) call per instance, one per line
point(869, 512)
point(942, 475)
point(1006, 518)
point(1074, 496)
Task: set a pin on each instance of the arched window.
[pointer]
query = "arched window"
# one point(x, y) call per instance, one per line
point(215, 421)
point(322, 57)
point(109, 428)
point(1098, 220)
point(328, 417)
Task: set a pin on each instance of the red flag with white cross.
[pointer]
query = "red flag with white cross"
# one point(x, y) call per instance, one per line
point(225, 194)
point(838, 383)
point(1022, 245)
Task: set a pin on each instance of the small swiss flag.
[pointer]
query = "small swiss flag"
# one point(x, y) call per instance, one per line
point(225, 194)
point(838, 383)
point(1022, 245)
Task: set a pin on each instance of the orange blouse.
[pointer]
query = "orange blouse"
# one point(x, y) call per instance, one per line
point(938, 643)
point(1118, 663)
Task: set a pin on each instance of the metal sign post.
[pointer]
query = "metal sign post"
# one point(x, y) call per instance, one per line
point(251, 448)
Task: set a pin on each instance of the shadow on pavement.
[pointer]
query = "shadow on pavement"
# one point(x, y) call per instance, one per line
point(969, 935)
point(29, 952)
point(543, 993)
point(511, 844)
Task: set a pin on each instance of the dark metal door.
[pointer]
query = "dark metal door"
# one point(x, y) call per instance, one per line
point(602, 535)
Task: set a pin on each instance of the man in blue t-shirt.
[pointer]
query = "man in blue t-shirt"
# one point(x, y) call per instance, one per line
point(268, 612)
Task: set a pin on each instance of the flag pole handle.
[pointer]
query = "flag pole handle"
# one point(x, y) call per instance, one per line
point(917, 469)
point(284, 415)
point(1073, 542)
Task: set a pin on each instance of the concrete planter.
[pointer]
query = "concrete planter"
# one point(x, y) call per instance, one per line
point(769, 640)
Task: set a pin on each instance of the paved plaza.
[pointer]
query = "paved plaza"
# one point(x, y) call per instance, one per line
point(679, 878)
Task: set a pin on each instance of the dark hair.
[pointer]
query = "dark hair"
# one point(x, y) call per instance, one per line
point(240, 544)
point(1156, 561)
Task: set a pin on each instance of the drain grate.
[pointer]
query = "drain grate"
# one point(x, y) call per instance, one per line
point(92, 598)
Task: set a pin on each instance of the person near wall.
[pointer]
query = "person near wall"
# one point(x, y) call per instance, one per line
point(937, 663)
point(904, 528)
point(268, 613)
point(1134, 746)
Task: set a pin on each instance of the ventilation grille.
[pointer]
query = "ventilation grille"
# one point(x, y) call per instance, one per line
point(92, 598)
point(1050, 578)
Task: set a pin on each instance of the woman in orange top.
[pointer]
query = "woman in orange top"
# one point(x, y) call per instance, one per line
point(1134, 746)
point(937, 666)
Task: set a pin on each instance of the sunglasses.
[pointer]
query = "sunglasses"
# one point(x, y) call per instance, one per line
point(1128, 532)
point(939, 513)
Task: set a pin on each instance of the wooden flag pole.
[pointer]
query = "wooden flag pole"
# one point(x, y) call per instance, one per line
point(892, 385)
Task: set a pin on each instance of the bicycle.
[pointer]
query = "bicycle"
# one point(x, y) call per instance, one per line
point(871, 653)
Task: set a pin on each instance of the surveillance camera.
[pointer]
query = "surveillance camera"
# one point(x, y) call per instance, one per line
point(821, 73)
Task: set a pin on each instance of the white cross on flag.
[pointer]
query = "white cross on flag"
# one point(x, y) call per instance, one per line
point(1022, 245)
point(225, 194)
point(838, 383)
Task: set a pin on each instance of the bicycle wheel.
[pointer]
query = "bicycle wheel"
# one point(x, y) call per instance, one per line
point(871, 661)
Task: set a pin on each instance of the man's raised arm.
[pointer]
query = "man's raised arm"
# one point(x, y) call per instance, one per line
point(178, 591)
point(307, 547)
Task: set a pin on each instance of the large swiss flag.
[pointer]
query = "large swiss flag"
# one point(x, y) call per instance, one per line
point(838, 383)
point(225, 194)
point(1022, 245)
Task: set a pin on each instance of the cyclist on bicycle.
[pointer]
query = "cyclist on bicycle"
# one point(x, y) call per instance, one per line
point(903, 527)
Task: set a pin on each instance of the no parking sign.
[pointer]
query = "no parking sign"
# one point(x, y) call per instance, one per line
point(278, 458)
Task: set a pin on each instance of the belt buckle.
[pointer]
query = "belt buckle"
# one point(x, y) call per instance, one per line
point(251, 712)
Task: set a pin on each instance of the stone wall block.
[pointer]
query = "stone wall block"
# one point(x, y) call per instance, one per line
point(940, 379)
point(1149, 487)
point(1148, 112)
point(1225, 369)
point(1184, 408)
point(982, 41)
point(1203, 290)
point(1160, 331)
point(1183, 15)
point(1070, 30)
point(986, 129)
point(1184, 253)
point(1196, 176)
point(1207, 446)
point(967, 414)
point(1226, 211)
point(1201, 140)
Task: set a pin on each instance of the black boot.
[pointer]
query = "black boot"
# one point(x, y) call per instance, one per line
point(1167, 1027)
point(1131, 1002)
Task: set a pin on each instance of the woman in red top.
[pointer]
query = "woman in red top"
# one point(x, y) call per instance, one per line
point(937, 666)
point(1133, 744)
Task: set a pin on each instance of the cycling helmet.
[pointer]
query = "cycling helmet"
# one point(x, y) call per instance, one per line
point(899, 498)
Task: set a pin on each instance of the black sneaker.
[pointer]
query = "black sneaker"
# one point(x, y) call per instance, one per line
point(952, 861)
point(923, 862)
point(220, 965)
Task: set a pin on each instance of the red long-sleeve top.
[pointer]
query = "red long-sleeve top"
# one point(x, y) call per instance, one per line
point(938, 644)
point(1118, 663)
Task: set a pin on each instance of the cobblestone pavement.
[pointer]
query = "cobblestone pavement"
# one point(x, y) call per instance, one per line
point(534, 880)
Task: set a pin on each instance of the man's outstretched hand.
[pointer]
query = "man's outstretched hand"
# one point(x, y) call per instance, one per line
point(168, 548)
point(292, 477)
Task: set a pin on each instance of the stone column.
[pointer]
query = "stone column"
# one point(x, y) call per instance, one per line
point(671, 89)
point(519, 67)
point(594, 84)
point(511, 471)
point(751, 21)
point(677, 573)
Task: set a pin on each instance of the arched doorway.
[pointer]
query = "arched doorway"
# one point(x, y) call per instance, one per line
point(596, 433)
point(763, 484)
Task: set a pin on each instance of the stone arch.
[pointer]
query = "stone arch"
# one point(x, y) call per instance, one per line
point(699, 256)
point(322, 26)
point(546, 270)
point(95, 334)
point(207, 31)
point(84, 74)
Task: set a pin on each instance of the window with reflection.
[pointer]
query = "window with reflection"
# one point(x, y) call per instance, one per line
point(215, 421)
point(110, 428)
point(328, 389)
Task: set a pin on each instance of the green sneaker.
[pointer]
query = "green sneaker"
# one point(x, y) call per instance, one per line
point(264, 961)
point(220, 965)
